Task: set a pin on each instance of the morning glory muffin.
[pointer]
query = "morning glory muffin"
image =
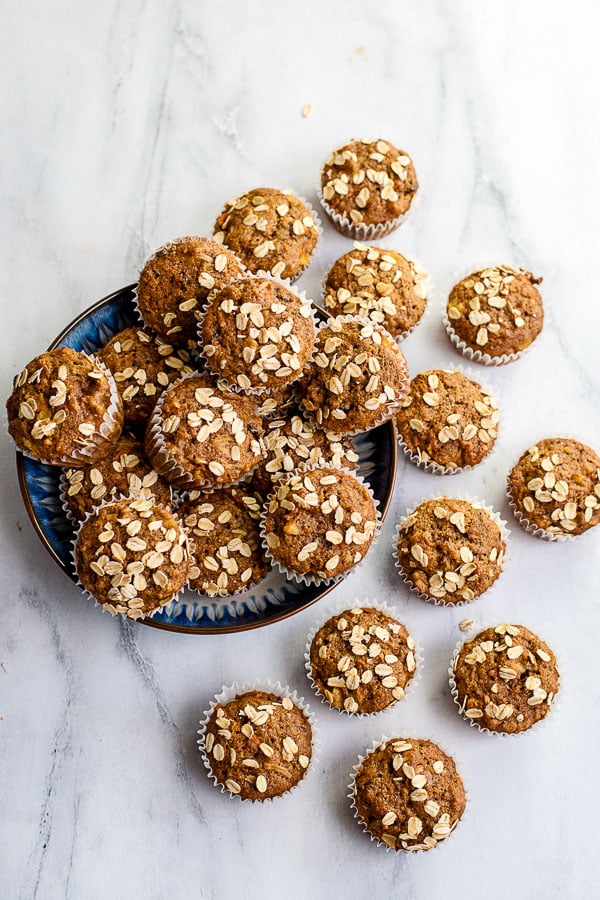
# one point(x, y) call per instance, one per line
point(257, 334)
point(269, 230)
point(143, 365)
point(447, 420)
point(554, 489)
point(380, 284)
point(357, 378)
point(408, 794)
point(494, 314)
point(450, 550)
point(65, 409)
point(362, 660)
point(505, 679)
point(176, 281)
point(367, 187)
point(132, 556)
point(258, 745)
point(124, 471)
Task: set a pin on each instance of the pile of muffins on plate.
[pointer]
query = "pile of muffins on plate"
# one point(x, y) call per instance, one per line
point(214, 441)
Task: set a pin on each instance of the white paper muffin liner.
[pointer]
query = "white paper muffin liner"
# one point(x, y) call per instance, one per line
point(439, 601)
point(479, 356)
point(366, 603)
point(229, 693)
point(435, 468)
point(474, 723)
point(84, 590)
point(407, 735)
point(317, 579)
point(165, 464)
point(390, 409)
point(256, 392)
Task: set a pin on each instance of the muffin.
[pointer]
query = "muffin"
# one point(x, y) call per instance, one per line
point(505, 679)
point(257, 334)
point(367, 187)
point(176, 281)
point(143, 365)
point(65, 409)
point(228, 554)
point(201, 436)
point(124, 471)
point(270, 231)
point(132, 556)
point(380, 284)
point(258, 745)
point(495, 314)
point(319, 523)
point(408, 794)
point(554, 489)
point(292, 442)
point(362, 660)
point(447, 422)
point(450, 551)
point(357, 378)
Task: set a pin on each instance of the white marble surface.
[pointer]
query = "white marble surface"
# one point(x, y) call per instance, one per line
point(128, 123)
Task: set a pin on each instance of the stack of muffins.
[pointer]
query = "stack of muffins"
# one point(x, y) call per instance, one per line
point(214, 441)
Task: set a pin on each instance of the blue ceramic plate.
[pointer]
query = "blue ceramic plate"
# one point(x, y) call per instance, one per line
point(275, 597)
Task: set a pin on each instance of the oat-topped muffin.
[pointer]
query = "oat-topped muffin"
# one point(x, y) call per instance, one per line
point(292, 442)
point(408, 794)
point(362, 660)
point(143, 365)
point(450, 550)
point(555, 486)
point(124, 471)
point(497, 311)
point(257, 334)
point(380, 284)
point(269, 230)
point(199, 435)
point(320, 523)
point(447, 420)
point(65, 409)
point(176, 281)
point(358, 376)
point(132, 556)
point(258, 745)
point(228, 553)
point(506, 679)
point(368, 183)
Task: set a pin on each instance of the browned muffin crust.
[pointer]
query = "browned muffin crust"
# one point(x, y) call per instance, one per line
point(259, 745)
point(124, 471)
point(362, 660)
point(213, 435)
point(357, 378)
point(447, 419)
point(270, 230)
point(450, 549)
point(506, 678)
point(409, 794)
point(143, 365)
point(176, 281)
point(369, 182)
point(556, 486)
point(292, 442)
point(257, 334)
point(380, 284)
point(132, 556)
point(59, 409)
point(320, 523)
point(228, 553)
point(497, 310)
